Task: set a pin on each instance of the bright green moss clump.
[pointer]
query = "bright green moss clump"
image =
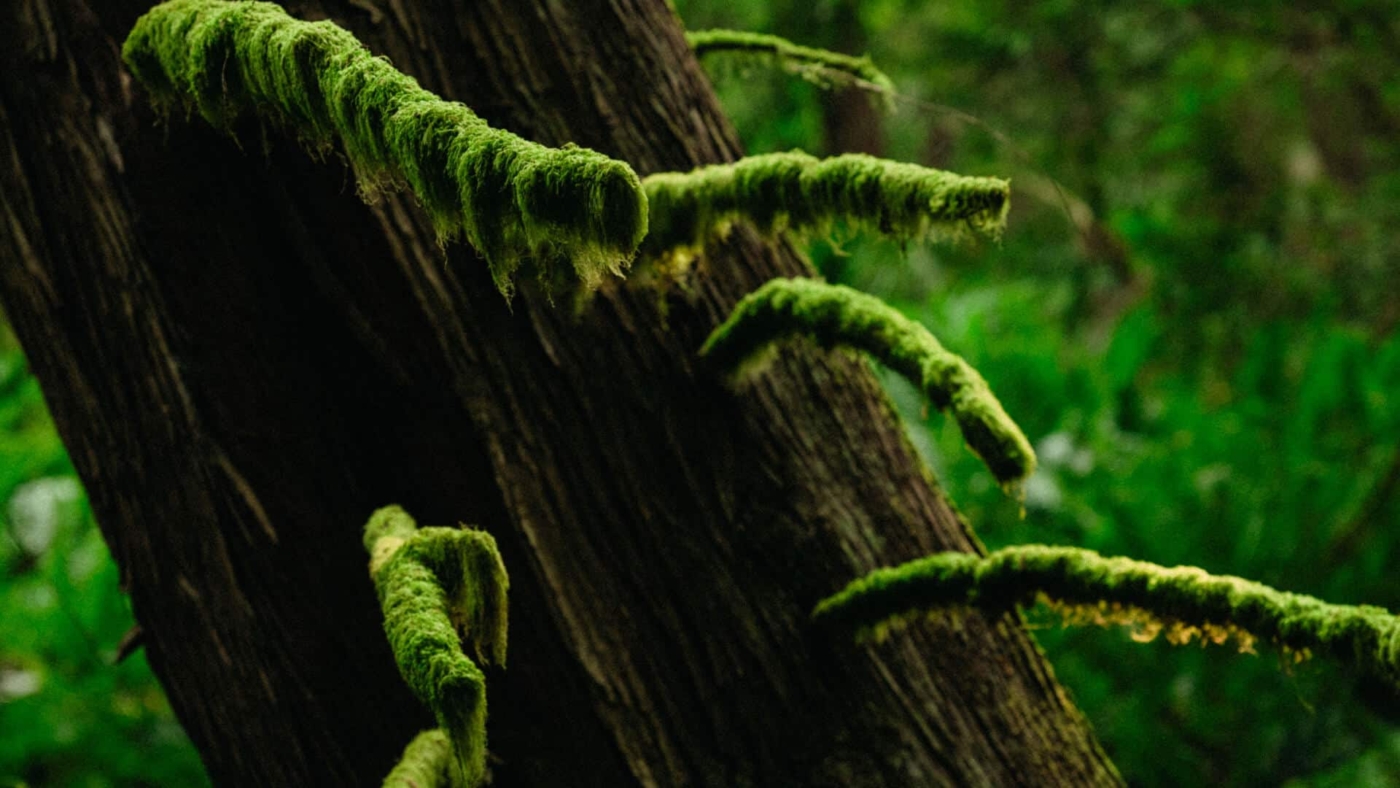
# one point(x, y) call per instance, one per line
point(433, 584)
point(426, 763)
point(1183, 600)
point(820, 66)
point(797, 192)
point(512, 199)
point(839, 316)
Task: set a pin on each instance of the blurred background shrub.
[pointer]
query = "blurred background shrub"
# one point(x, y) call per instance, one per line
point(69, 716)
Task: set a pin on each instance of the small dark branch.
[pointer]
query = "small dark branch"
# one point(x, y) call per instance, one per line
point(134, 639)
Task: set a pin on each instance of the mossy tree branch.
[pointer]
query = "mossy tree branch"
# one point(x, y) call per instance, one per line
point(1184, 600)
point(511, 199)
point(800, 193)
point(820, 66)
point(427, 762)
point(834, 315)
point(433, 584)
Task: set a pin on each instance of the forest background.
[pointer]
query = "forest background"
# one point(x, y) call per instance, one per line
point(1193, 315)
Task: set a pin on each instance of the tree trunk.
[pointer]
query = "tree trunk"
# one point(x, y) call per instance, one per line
point(245, 360)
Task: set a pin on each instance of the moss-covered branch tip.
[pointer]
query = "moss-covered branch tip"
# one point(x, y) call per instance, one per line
point(800, 193)
point(427, 762)
point(834, 315)
point(819, 66)
point(1184, 602)
point(511, 199)
point(442, 589)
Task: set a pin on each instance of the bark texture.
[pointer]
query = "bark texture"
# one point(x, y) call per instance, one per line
point(245, 361)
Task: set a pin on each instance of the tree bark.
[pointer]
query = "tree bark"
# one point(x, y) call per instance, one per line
point(245, 360)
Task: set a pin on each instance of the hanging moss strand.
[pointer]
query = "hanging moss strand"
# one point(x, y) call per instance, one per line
point(834, 315)
point(434, 585)
point(1182, 600)
point(511, 199)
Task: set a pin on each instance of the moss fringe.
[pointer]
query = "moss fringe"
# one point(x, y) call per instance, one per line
point(1184, 602)
point(511, 199)
point(434, 583)
point(839, 316)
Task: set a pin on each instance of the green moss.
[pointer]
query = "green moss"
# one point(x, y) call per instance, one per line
point(511, 199)
point(839, 316)
point(435, 584)
point(426, 763)
point(1182, 600)
point(820, 66)
point(796, 192)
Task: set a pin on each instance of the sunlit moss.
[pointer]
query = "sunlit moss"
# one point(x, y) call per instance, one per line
point(511, 199)
point(1146, 627)
point(820, 66)
point(434, 585)
point(796, 192)
point(834, 315)
point(1183, 602)
point(426, 763)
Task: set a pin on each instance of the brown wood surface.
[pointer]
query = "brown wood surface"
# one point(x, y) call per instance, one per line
point(244, 360)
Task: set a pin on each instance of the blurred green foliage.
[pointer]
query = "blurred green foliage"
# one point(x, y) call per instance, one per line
point(69, 716)
point(1193, 315)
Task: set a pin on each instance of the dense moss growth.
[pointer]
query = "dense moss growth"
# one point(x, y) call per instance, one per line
point(820, 66)
point(426, 763)
point(797, 192)
point(1184, 601)
point(834, 315)
point(511, 199)
point(434, 584)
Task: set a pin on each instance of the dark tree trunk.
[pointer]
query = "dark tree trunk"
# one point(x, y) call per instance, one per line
point(244, 360)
